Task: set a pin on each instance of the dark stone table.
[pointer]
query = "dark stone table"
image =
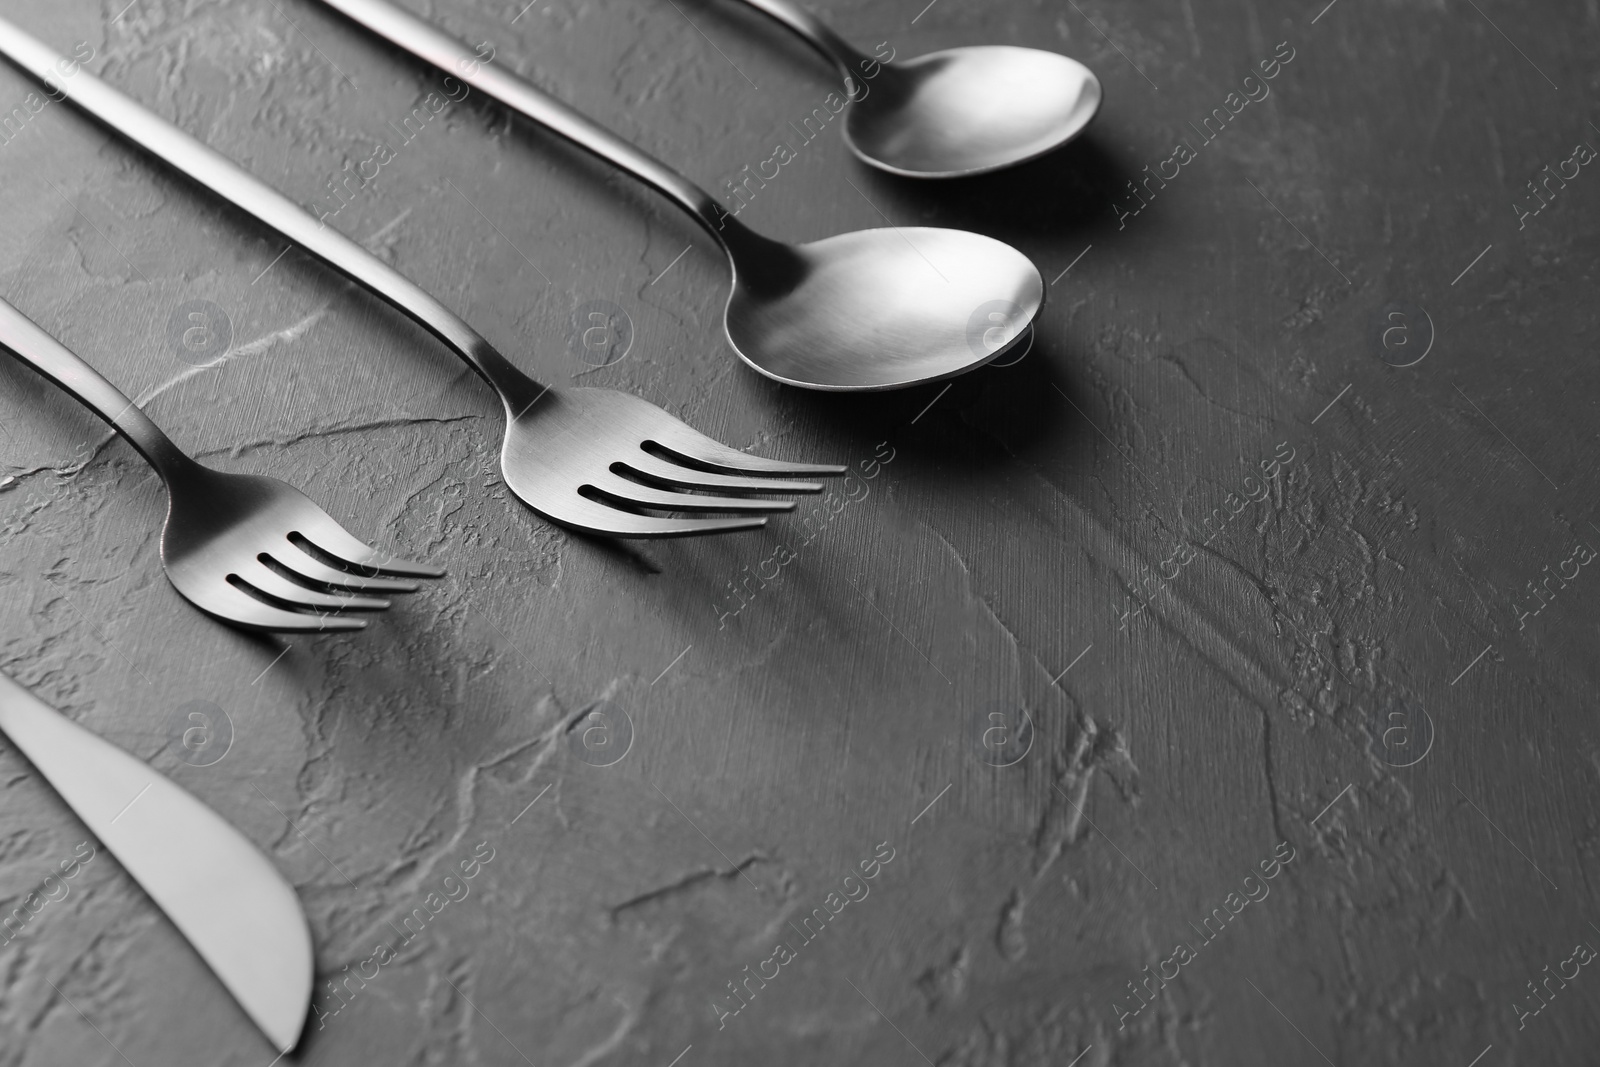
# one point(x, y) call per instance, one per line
point(1215, 684)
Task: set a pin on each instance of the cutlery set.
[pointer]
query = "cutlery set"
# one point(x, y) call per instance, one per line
point(864, 311)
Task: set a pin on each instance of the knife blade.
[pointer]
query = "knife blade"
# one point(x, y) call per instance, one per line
point(221, 892)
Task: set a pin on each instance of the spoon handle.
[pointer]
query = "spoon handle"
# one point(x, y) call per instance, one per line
point(233, 183)
point(427, 42)
point(26, 340)
point(815, 33)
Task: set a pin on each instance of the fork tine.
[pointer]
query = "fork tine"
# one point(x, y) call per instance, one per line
point(694, 445)
point(306, 566)
point(603, 517)
point(275, 585)
point(234, 605)
point(643, 496)
point(333, 539)
point(627, 524)
point(673, 474)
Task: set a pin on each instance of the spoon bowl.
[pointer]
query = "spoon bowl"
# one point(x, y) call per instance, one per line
point(969, 111)
point(878, 309)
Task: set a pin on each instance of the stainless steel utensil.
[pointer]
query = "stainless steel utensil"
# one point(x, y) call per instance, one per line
point(218, 889)
point(953, 113)
point(593, 459)
point(875, 309)
point(230, 540)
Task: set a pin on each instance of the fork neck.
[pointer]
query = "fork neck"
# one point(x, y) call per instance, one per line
point(30, 343)
point(517, 391)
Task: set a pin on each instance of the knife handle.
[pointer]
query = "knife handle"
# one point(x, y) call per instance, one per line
point(216, 887)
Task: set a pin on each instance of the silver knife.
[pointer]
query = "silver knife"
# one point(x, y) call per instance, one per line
point(219, 890)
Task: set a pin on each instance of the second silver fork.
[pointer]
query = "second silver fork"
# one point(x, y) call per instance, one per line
point(596, 460)
point(252, 551)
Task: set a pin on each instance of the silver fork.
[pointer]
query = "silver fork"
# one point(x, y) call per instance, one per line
point(596, 460)
point(246, 549)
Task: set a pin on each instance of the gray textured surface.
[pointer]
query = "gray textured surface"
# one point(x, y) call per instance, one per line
point(1383, 574)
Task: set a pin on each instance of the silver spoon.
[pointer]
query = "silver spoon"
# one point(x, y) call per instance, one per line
point(954, 113)
point(874, 309)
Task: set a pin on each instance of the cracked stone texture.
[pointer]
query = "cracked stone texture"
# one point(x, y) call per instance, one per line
point(1032, 519)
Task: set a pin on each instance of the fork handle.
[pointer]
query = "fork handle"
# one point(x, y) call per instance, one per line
point(233, 183)
point(29, 343)
point(427, 42)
